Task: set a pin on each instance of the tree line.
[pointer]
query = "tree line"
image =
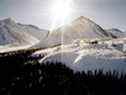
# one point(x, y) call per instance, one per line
point(19, 76)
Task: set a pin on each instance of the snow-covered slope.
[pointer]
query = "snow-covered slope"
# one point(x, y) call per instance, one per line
point(16, 35)
point(116, 32)
point(38, 33)
point(82, 56)
point(81, 28)
point(11, 33)
point(5, 36)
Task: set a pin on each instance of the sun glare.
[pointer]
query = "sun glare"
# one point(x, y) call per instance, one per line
point(60, 12)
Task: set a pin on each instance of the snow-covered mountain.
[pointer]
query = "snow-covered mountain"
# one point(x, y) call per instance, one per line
point(11, 33)
point(116, 32)
point(14, 35)
point(80, 28)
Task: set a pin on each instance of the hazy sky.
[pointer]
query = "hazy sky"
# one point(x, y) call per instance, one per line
point(107, 13)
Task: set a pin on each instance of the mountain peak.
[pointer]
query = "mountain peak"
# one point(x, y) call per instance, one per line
point(80, 28)
point(9, 21)
point(82, 18)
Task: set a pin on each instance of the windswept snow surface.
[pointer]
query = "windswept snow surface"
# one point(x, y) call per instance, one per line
point(81, 56)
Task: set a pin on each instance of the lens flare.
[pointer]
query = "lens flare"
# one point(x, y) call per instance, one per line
point(60, 12)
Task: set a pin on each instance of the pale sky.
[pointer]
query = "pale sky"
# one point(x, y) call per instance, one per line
point(106, 13)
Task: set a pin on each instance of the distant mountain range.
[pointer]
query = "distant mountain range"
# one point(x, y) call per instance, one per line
point(116, 32)
point(13, 34)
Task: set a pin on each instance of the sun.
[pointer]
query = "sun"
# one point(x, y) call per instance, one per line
point(60, 11)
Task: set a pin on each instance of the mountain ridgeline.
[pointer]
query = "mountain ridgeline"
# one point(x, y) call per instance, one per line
point(15, 34)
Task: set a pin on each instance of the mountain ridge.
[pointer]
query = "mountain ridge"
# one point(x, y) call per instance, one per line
point(12, 32)
point(80, 28)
